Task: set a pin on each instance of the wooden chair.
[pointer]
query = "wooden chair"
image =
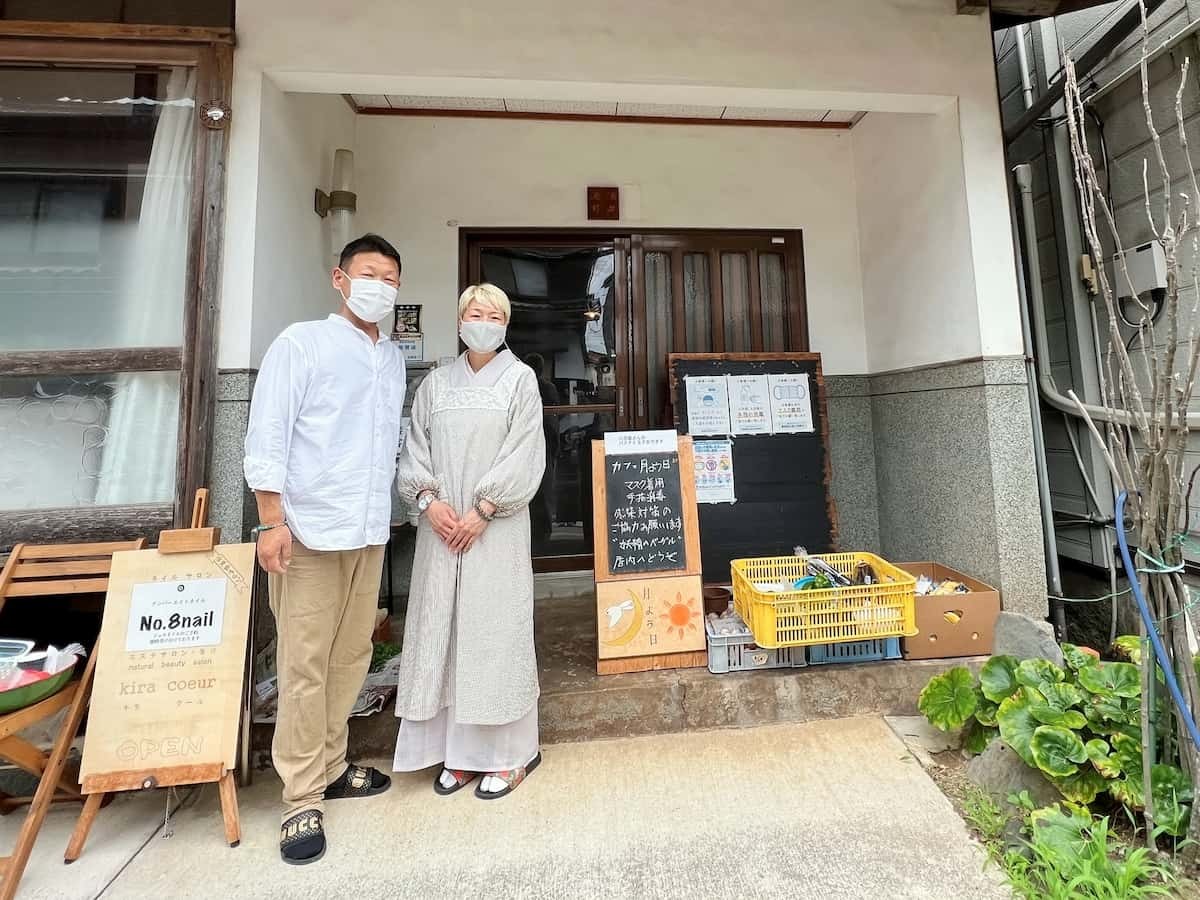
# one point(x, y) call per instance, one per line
point(49, 570)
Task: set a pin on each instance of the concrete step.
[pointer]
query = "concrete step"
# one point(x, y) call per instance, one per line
point(579, 705)
point(620, 706)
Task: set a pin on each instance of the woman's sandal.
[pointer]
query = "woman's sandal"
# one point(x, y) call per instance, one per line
point(461, 780)
point(512, 779)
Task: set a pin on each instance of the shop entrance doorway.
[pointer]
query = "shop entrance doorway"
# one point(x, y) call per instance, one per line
point(596, 314)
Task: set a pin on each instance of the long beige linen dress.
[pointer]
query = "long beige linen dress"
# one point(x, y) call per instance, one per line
point(468, 685)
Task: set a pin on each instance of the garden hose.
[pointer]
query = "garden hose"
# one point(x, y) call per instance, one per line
point(1151, 629)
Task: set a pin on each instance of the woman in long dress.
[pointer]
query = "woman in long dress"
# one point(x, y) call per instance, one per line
point(472, 462)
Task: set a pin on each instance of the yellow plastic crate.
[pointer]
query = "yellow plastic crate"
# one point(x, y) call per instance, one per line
point(799, 618)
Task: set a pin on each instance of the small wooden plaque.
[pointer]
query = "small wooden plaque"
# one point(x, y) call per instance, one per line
point(650, 617)
point(604, 203)
point(189, 540)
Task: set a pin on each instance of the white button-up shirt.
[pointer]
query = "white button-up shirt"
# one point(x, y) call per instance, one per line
point(324, 432)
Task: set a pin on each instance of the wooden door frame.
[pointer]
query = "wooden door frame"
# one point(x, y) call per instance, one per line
point(685, 239)
point(470, 242)
point(632, 363)
point(210, 52)
point(629, 247)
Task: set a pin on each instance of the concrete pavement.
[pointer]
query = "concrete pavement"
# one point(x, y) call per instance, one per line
point(829, 809)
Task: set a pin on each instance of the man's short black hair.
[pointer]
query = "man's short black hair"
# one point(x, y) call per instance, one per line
point(368, 243)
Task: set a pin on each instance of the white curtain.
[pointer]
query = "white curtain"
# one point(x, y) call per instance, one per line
point(140, 448)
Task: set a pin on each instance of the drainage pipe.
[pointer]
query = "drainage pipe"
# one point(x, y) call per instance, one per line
point(1023, 65)
point(1049, 539)
point(1041, 343)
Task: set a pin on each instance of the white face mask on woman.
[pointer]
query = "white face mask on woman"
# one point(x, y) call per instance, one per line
point(369, 299)
point(482, 337)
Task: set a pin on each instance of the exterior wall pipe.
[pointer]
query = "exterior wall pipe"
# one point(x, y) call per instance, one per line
point(1041, 344)
point(1049, 539)
point(1023, 65)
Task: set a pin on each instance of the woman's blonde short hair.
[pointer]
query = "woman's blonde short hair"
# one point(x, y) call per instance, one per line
point(485, 295)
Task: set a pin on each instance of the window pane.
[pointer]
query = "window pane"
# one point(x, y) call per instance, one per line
point(77, 440)
point(564, 326)
point(697, 298)
point(560, 515)
point(735, 293)
point(564, 317)
point(659, 334)
point(95, 190)
point(773, 292)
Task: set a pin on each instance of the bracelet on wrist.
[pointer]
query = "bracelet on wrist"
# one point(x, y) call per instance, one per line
point(259, 529)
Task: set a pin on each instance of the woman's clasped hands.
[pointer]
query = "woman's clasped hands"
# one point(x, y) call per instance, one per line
point(459, 534)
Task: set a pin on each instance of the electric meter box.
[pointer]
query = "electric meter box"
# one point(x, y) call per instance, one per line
point(1147, 266)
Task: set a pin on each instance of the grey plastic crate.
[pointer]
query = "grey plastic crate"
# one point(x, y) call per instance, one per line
point(739, 653)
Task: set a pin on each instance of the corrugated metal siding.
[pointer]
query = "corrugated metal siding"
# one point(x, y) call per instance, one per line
point(1129, 148)
point(1035, 146)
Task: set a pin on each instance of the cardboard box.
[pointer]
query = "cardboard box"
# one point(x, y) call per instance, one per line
point(937, 637)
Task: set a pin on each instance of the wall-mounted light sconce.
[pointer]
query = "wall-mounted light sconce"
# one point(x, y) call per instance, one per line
point(340, 203)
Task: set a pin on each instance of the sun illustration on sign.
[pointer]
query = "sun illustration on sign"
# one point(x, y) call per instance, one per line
point(679, 616)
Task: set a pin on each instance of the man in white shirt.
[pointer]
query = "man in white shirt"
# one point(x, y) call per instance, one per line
point(321, 452)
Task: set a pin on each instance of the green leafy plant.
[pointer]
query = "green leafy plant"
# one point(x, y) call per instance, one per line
point(949, 699)
point(984, 814)
point(1079, 724)
point(1072, 856)
point(1057, 751)
point(1130, 647)
point(382, 653)
point(1172, 794)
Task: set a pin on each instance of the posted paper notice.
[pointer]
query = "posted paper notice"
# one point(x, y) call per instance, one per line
point(714, 472)
point(624, 443)
point(749, 404)
point(791, 404)
point(707, 405)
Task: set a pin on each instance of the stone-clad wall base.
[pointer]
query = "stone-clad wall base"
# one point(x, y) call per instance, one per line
point(955, 474)
point(852, 457)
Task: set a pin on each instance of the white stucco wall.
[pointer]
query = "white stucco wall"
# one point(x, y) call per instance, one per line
point(914, 242)
point(884, 55)
point(292, 245)
point(417, 174)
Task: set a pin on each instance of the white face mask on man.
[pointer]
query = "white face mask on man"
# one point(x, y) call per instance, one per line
point(371, 300)
point(482, 337)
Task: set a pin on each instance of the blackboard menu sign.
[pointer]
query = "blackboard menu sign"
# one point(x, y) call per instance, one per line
point(644, 506)
point(781, 481)
point(645, 513)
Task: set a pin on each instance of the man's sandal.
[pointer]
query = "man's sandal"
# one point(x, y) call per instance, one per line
point(511, 779)
point(358, 781)
point(302, 838)
point(461, 780)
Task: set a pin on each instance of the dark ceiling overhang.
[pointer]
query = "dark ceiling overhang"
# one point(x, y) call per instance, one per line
point(1006, 13)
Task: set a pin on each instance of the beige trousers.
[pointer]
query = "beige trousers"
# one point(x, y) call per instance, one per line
point(324, 608)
